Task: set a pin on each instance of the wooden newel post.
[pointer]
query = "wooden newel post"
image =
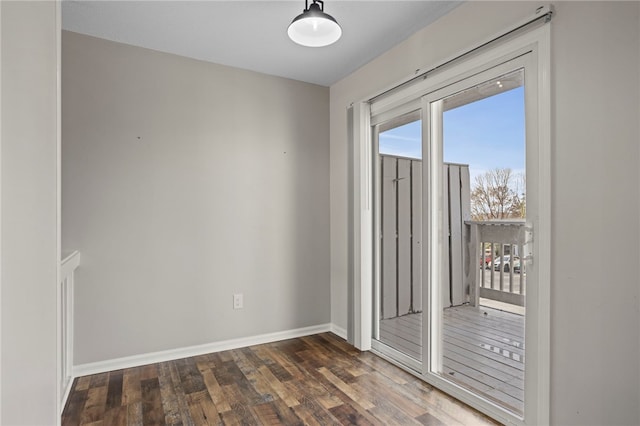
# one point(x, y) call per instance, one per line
point(473, 274)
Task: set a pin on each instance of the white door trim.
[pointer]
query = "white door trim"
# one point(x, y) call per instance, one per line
point(1, 215)
point(362, 227)
point(61, 394)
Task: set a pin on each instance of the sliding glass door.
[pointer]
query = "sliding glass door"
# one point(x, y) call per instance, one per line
point(398, 296)
point(478, 240)
point(457, 186)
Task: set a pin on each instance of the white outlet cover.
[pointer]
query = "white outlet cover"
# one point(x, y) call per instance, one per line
point(237, 301)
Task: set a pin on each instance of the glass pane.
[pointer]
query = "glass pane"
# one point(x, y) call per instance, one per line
point(483, 282)
point(402, 141)
point(399, 225)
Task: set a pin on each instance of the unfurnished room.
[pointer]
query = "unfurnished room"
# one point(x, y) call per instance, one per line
point(319, 212)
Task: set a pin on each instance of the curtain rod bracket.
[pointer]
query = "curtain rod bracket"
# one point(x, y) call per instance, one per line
point(548, 14)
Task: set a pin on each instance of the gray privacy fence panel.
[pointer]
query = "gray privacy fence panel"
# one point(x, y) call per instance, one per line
point(416, 255)
point(458, 198)
point(388, 235)
point(401, 235)
point(404, 218)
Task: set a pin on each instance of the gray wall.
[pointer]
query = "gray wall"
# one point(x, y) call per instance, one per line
point(595, 175)
point(185, 182)
point(29, 253)
point(596, 73)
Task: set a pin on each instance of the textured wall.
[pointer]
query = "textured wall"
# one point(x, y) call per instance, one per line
point(185, 182)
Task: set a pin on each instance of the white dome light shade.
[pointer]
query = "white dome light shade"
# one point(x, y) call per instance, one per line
point(314, 28)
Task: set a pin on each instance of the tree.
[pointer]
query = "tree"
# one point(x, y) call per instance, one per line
point(498, 194)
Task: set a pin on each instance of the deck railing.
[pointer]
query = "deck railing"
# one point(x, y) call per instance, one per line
point(497, 269)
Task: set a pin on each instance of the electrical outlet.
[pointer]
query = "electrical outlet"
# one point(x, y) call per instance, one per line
point(237, 301)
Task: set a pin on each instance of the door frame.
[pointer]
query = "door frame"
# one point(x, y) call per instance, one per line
point(536, 41)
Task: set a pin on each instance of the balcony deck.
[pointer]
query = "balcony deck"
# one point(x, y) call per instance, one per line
point(483, 350)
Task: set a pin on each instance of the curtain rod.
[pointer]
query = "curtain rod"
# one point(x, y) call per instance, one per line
point(542, 12)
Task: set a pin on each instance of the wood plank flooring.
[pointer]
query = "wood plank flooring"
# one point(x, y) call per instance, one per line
point(313, 380)
point(482, 352)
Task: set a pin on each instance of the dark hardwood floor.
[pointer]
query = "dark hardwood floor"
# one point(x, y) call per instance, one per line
point(314, 380)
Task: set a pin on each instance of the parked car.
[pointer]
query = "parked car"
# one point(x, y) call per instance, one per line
point(505, 263)
point(516, 265)
point(499, 261)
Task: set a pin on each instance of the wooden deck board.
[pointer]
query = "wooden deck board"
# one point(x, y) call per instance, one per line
point(507, 338)
point(483, 350)
point(403, 333)
point(492, 339)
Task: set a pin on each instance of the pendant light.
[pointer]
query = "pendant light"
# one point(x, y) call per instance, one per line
point(313, 27)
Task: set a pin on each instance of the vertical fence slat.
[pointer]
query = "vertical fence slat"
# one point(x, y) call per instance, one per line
point(522, 269)
point(446, 226)
point(469, 259)
point(403, 186)
point(502, 267)
point(455, 244)
point(388, 247)
point(512, 252)
point(483, 265)
point(493, 259)
point(476, 252)
point(416, 223)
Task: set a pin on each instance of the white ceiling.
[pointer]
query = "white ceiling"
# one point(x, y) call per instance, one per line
point(252, 34)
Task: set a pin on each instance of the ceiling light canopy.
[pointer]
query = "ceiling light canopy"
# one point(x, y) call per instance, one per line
point(313, 27)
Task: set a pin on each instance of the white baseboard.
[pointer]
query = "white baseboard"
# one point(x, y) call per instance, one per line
point(173, 354)
point(338, 331)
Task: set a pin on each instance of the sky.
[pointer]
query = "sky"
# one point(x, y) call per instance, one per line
point(485, 134)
